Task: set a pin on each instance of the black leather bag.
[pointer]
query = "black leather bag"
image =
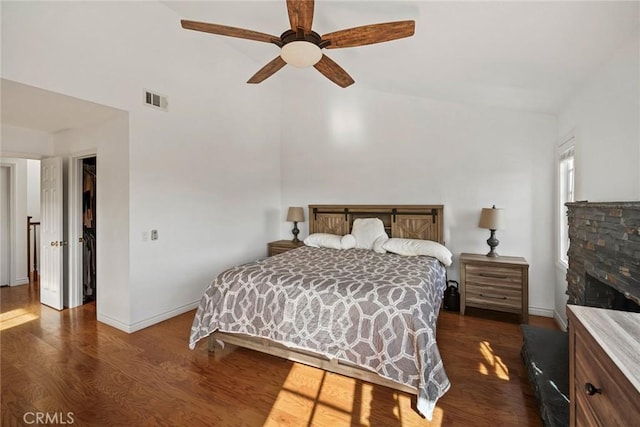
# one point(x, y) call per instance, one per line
point(451, 296)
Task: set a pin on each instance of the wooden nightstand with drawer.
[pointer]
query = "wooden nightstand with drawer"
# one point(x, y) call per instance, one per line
point(280, 246)
point(500, 283)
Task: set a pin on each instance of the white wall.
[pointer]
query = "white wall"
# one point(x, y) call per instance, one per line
point(605, 115)
point(360, 146)
point(206, 174)
point(212, 191)
point(109, 141)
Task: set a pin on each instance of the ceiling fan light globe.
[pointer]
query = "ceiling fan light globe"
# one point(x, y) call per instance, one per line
point(301, 54)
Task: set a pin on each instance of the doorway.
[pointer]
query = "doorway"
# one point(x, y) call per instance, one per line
point(5, 227)
point(89, 221)
point(19, 199)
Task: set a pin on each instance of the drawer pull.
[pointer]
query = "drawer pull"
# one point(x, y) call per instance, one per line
point(590, 389)
point(491, 296)
point(493, 276)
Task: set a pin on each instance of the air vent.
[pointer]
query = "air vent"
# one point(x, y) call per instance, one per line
point(155, 100)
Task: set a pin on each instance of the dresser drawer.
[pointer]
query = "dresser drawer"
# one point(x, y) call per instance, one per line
point(494, 296)
point(616, 403)
point(584, 413)
point(507, 277)
point(275, 250)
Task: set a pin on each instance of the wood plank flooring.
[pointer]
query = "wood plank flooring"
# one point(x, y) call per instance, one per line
point(67, 365)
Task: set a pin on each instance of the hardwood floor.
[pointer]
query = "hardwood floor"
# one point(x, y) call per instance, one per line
point(67, 366)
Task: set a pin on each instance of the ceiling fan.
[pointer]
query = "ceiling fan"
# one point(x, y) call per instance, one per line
point(302, 47)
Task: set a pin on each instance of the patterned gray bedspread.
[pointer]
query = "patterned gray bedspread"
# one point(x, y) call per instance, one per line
point(376, 311)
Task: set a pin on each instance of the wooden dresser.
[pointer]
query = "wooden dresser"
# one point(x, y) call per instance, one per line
point(604, 367)
point(280, 246)
point(500, 283)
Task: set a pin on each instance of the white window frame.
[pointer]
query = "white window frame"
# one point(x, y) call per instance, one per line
point(566, 186)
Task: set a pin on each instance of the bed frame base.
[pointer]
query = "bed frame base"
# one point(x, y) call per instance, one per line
point(305, 357)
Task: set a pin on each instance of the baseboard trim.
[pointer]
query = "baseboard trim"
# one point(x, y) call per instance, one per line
point(113, 322)
point(537, 311)
point(163, 316)
point(21, 281)
point(559, 320)
point(142, 324)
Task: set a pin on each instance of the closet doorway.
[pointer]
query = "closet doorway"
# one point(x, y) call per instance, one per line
point(88, 239)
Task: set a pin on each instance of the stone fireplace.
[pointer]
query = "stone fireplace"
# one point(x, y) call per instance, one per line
point(604, 254)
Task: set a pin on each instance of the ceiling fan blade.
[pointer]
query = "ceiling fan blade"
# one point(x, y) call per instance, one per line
point(224, 30)
point(333, 72)
point(268, 70)
point(300, 14)
point(369, 34)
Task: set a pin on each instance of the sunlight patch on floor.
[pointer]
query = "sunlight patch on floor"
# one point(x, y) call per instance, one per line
point(289, 408)
point(366, 391)
point(482, 368)
point(15, 317)
point(317, 397)
point(338, 391)
point(500, 370)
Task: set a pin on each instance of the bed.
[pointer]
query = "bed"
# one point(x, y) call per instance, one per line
point(355, 312)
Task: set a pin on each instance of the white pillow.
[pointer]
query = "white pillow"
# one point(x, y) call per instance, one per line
point(377, 245)
point(323, 240)
point(366, 231)
point(348, 241)
point(412, 247)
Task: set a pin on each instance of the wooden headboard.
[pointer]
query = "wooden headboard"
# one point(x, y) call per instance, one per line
point(406, 221)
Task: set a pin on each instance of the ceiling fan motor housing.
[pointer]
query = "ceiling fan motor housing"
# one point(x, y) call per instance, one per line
point(292, 36)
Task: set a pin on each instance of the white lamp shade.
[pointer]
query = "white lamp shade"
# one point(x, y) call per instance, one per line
point(492, 218)
point(301, 54)
point(295, 214)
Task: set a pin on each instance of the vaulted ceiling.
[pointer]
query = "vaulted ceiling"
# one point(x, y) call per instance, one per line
point(518, 55)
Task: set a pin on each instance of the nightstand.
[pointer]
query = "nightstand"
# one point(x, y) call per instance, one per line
point(500, 283)
point(281, 246)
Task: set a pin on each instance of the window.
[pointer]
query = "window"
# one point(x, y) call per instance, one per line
point(566, 188)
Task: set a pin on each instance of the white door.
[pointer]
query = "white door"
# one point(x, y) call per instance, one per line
point(51, 238)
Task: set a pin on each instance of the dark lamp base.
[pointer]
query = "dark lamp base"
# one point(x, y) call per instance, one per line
point(493, 244)
point(492, 254)
point(295, 232)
